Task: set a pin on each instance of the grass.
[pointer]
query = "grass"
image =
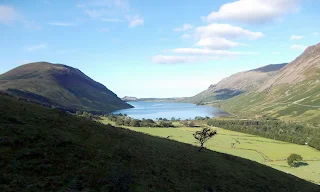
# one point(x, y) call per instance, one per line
point(265, 151)
point(279, 102)
point(47, 150)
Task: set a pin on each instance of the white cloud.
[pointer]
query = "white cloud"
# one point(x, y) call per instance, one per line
point(111, 11)
point(254, 11)
point(32, 48)
point(216, 43)
point(214, 40)
point(61, 24)
point(162, 59)
point(197, 51)
point(96, 13)
point(226, 31)
point(298, 47)
point(7, 14)
point(216, 36)
point(135, 21)
point(296, 37)
point(185, 27)
point(315, 34)
point(186, 36)
point(198, 55)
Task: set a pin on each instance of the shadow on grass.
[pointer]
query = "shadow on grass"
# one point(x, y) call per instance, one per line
point(301, 164)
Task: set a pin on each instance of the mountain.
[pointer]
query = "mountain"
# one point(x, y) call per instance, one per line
point(59, 86)
point(294, 93)
point(128, 98)
point(45, 149)
point(172, 99)
point(237, 84)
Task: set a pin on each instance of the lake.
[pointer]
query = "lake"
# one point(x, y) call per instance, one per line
point(153, 110)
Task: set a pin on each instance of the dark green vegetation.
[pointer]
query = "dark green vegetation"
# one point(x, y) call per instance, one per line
point(124, 120)
point(274, 129)
point(293, 94)
point(294, 160)
point(59, 86)
point(47, 150)
point(203, 136)
point(235, 85)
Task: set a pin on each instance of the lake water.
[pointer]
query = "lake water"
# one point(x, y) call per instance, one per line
point(153, 110)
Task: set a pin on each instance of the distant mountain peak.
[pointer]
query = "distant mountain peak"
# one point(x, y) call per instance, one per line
point(61, 86)
point(237, 84)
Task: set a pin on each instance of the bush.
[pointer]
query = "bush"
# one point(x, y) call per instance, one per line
point(293, 160)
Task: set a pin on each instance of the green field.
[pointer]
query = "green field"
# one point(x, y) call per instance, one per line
point(266, 151)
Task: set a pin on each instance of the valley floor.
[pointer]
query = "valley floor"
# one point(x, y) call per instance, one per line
point(265, 151)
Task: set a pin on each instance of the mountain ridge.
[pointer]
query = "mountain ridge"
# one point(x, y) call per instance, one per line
point(236, 84)
point(293, 94)
point(60, 86)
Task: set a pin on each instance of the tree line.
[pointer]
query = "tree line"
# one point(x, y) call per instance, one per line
point(124, 120)
point(274, 129)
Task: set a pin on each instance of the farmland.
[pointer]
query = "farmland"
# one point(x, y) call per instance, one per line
point(265, 151)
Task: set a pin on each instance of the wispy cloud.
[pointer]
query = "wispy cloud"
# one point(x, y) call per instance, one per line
point(298, 47)
point(135, 21)
point(61, 24)
point(32, 48)
point(162, 59)
point(111, 11)
point(315, 34)
point(185, 27)
point(197, 51)
point(8, 14)
point(253, 11)
point(186, 36)
point(296, 37)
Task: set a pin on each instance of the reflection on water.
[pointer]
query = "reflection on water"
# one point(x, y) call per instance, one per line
point(153, 110)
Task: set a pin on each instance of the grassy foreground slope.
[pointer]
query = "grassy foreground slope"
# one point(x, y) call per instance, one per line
point(47, 150)
point(60, 86)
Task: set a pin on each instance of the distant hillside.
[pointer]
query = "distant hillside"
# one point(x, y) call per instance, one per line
point(171, 99)
point(236, 84)
point(59, 86)
point(128, 98)
point(294, 93)
point(47, 150)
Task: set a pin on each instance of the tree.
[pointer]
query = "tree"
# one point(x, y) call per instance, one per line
point(293, 160)
point(119, 122)
point(191, 124)
point(135, 123)
point(203, 136)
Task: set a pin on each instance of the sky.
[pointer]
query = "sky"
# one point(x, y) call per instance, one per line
point(158, 48)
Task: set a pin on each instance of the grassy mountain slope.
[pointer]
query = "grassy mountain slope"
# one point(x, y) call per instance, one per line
point(46, 150)
point(60, 86)
point(293, 94)
point(236, 84)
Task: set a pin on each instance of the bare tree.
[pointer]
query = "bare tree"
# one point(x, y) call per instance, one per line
point(203, 136)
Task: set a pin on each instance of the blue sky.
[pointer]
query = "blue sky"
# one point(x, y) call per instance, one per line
point(155, 48)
